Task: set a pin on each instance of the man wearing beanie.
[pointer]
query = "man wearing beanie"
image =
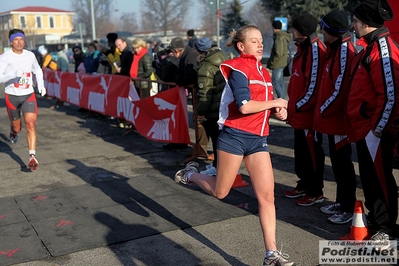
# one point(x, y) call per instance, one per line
point(279, 58)
point(192, 39)
point(309, 155)
point(329, 115)
point(372, 112)
point(210, 87)
point(186, 74)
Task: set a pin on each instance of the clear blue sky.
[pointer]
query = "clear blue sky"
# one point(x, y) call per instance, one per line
point(125, 6)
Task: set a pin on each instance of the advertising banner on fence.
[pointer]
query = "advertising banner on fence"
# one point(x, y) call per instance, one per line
point(162, 117)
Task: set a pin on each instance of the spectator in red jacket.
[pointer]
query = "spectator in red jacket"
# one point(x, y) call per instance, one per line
point(302, 90)
point(330, 112)
point(372, 110)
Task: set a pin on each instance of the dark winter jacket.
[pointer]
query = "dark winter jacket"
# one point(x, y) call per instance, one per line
point(210, 82)
point(187, 74)
point(144, 71)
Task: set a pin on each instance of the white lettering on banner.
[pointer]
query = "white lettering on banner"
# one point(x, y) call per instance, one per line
point(50, 88)
point(57, 86)
point(96, 102)
point(73, 95)
point(160, 130)
point(125, 107)
point(164, 105)
point(105, 86)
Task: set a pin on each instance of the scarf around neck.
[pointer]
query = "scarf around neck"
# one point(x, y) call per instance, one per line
point(134, 69)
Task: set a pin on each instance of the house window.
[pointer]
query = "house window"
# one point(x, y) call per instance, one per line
point(51, 22)
point(22, 21)
point(38, 22)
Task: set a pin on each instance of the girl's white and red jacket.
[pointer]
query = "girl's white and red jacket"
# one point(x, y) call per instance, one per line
point(261, 89)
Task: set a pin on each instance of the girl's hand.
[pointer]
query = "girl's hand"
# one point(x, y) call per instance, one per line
point(281, 113)
point(280, 103)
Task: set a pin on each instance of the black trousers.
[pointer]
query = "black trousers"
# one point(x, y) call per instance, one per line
point(344, 173)
point(309, 160)
point(379, 185)
point(212, 131)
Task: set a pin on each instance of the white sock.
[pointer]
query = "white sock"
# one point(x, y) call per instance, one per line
point(189, 175)
point(32, 152)
point(269, 253)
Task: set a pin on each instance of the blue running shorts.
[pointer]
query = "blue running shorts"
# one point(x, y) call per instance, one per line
point(239, 142)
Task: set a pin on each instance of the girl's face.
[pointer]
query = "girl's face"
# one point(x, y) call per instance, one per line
point(252, 44)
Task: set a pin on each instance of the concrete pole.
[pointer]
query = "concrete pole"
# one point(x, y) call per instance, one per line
point(93, 22)
point(217, 23)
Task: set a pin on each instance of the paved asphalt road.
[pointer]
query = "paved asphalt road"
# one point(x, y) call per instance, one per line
point(100, 197)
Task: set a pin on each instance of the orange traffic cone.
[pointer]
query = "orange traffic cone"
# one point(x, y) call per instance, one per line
point(239, 182)
point(359, 224)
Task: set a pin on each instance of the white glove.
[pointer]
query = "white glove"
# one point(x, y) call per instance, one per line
point(42, 91)
point(19, 73)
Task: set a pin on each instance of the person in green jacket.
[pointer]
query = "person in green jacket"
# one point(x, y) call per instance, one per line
point(210, 87)
point(279, 58)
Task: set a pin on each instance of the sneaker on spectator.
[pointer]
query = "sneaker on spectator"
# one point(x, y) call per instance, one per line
point(295, 193)
point(331, 209)
point(309, 200)
point(210, 170)
point(33, 163)
point(341, 217)
point(181, 175)
point(277, 259)
point(13, 136)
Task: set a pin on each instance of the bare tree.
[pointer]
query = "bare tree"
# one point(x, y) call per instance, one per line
point(166, 14)
point(257, 15)
point(101, 14)
point(128, 22)
point(208, 18)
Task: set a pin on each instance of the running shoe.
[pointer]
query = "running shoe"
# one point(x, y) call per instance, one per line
point(13, 136)
point(341, 217)
point(181, 175)
point(295, 193)
point(277, 259)
point(33, 163)
point(309, 200)
point(210, 170)
point(331, 209)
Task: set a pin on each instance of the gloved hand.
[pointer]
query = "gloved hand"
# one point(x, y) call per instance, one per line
point(42, 91)
point(19, 73)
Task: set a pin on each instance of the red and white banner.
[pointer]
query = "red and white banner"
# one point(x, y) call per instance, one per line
point(162, 117)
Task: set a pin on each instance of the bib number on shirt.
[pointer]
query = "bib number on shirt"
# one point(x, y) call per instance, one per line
point(24, 81)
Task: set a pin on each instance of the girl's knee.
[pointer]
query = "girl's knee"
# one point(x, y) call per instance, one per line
point(221, 194)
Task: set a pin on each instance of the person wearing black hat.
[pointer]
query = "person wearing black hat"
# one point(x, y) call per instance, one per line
point(78, 56)
point(113, 53)
point(192, 39)
point(372, 112)
point(186, 74)
point(279, 58)
point(302, 90)
point(330, 112)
